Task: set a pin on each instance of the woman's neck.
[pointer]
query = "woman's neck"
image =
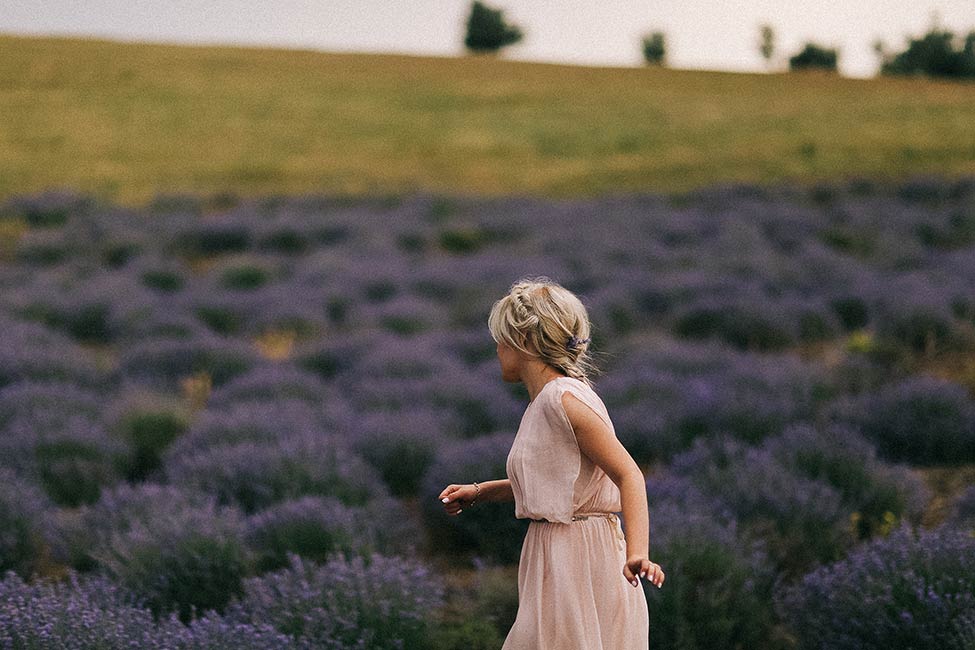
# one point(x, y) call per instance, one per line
point(535, 374)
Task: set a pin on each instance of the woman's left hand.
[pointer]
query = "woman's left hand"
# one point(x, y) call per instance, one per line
point(642, 566)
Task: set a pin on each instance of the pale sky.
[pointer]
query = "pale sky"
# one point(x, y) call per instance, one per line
point(709, 34)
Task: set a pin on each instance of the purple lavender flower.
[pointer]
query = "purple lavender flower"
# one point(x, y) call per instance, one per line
point(379, 602)
point(318, 527)
point(910, 589)
point(24, 510)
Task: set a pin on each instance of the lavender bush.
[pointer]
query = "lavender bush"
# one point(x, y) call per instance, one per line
point(401, 445)
point(809, 494)
point(79, 535)
point(228, 422)
point(663, 398)
point(963, 509)
point(272, 382)
point(148, 424)
point(192, 561)
point(380, 602)
point(23, 512)
point(50, 399)
point(163, 363)
point(79, 614)
point(879, 494)
point(33, 352)
point(72, 457)
point(316, 528)
point(256, 475)
point(909, 590)
point(213, 632)
point(718, 585)
point(920, 420)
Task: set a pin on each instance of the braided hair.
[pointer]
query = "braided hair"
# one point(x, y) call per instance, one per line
point(545, 320)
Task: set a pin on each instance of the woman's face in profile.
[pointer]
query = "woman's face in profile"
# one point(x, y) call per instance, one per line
point(510, 362)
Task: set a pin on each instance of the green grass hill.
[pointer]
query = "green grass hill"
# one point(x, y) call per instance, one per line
point(125, 121)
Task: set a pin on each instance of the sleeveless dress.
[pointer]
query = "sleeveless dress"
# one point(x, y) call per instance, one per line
point(571, 591)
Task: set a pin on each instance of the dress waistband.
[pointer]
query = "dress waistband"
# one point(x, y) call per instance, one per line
point(612, 516)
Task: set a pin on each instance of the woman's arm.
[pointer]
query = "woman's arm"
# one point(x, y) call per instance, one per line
point(497, 490)
point(456, 497)
point(596, 441)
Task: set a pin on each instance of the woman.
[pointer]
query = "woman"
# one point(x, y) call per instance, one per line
point(569, 474)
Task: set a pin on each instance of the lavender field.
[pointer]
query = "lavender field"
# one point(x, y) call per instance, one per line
point(224, 423)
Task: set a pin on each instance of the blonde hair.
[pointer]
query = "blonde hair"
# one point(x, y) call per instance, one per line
point(545, 320)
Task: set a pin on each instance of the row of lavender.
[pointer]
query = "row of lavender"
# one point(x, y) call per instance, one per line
point(759, 269)
point(191, 395)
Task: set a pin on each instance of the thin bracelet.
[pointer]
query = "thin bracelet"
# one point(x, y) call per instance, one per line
point(478, 488)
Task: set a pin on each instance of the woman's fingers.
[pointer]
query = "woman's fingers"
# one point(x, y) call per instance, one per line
point(656, 575)
point(646, 569)
point(451, 500)
point(628, 574)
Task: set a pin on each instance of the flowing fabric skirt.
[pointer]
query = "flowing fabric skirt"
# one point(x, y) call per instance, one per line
point(571, 591)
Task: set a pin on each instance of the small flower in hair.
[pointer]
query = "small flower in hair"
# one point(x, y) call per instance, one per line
point(575, 342)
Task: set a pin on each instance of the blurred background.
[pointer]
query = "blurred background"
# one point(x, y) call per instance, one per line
point(247, 255)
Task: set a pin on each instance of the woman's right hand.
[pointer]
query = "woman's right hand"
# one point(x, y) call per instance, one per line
point(456, 497)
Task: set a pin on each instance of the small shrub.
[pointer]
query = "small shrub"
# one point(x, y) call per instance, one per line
point(166, 362)
point(963, 509)
point(316, 528)
point(118, 253)
point(71, 456)
point(148, 433)
point(77, 614)
point(462, 240)
point(852, 312)
point(285, 240)
point(918, 419)
point(814, 56)
point(79, 535)
point(255, 475)
point(245, 277)
point(718, 588)
point(801, 521)
point(211, 239)
point(735, 325)
point(73, 472)
point(908, 590)
point(379, 603)
point(190, 560)
point(163, 280)
point(809, 494)
point(878, 495)
point(23, 509)
point(222, 319)
point(402, 446)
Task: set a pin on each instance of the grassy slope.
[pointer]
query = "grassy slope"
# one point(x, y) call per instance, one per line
point(128, 120)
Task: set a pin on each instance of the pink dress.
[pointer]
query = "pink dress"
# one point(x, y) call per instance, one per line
point(571, 591)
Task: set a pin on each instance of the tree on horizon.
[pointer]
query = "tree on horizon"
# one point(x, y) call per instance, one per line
point(766, 45)
point(814, 56)
point(654, 48)
point(487, 30)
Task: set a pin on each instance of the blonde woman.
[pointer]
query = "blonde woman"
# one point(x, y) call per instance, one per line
point(579, 573)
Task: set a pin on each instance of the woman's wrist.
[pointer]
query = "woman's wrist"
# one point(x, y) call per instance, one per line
point(474, 500)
